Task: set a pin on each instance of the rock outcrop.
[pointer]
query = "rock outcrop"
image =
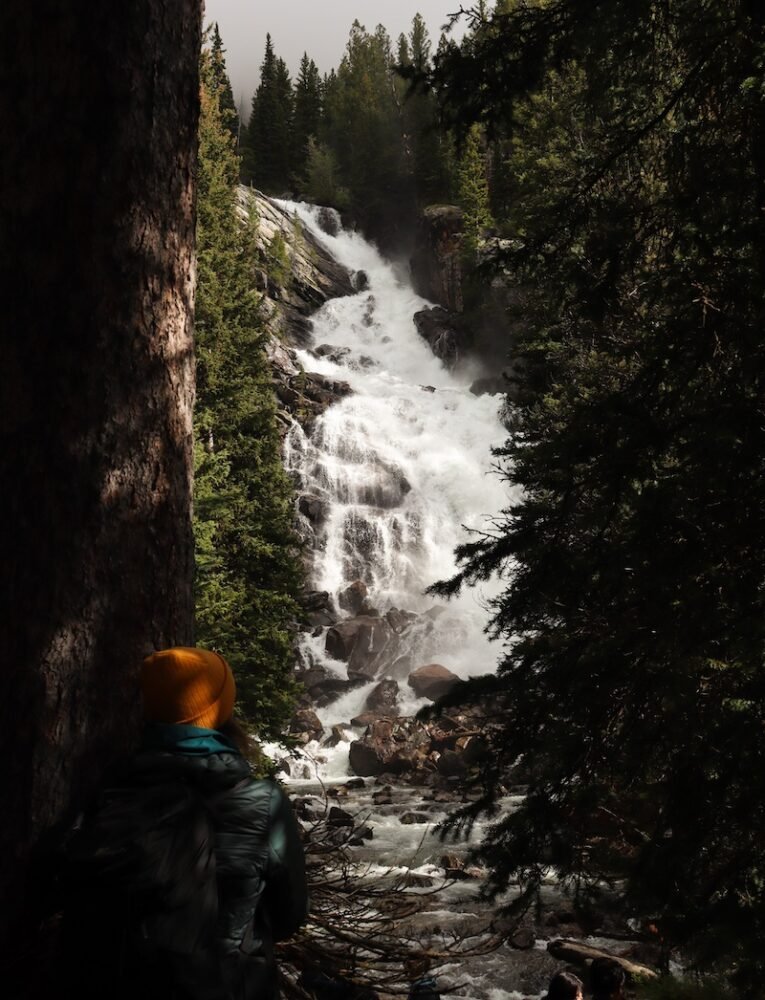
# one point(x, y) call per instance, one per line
point(436, 262)
point(307, 277)
point(445, 332)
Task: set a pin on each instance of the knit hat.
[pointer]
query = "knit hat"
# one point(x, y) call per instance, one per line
point(187, 685)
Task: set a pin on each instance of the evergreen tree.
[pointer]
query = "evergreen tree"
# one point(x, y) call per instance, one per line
point(473, 194)
point(268, 140)
point(308, 112)
point(247, 573)
point(632, 675)
point(363, 130)
point(221, 84)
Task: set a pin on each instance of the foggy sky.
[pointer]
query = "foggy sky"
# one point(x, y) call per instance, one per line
point(318, 27)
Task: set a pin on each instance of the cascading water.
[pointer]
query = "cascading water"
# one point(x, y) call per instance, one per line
point(402, 467)
point(399, 469)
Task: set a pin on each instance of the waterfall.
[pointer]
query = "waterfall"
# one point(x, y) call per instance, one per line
point(402, 467)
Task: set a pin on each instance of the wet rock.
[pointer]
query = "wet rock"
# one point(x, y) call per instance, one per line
point(383, 698)
point(360, 280)
point(336, 736)
point(315, 600)
point(428, 388)
point(329, 220)
point(445, 332)
point(313, 276)
point(361, 642)
point(408, 818)
point(365, 719)
point(436, 262)
point(355, 783)
point(493, 386)
point(339, 817)
point(354, 597)
point(306, 723)
point(399, 620)
point(365, 759)
point(414, 881)
point(365, 832)
point(432, 681)
point(314, 508)
point(337, 355)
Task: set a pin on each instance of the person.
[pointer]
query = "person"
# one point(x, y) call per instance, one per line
point(565, 986)
point(187, 869)
point(607, 979)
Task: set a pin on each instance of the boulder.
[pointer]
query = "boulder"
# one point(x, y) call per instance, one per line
point(315, 600)
point(314, 508)
point(305, 722)
point(354, 597)
point(409, 818)
point(360, 281)
point(366, 719)
point(329, 220)
point(399, 620)
point(339, 817)
point(445, 332)
point(361, 642)
point(365, 759)
point(432, 681)
point(336, 736)
point(383, 698)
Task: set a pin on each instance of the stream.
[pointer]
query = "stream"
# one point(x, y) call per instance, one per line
point(402, 469)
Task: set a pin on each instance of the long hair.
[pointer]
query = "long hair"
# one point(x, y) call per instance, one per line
point(564, 986)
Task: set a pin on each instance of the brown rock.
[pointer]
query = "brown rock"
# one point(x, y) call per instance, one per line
point(359, 641)
point(366, 759)
point(432, 681)
point(306, 722)
point(383, 698)
point(354, 597)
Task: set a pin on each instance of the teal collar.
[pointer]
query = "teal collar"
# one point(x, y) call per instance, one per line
point(192, 741)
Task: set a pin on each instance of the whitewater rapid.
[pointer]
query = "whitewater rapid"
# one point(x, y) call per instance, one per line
point(403, 464)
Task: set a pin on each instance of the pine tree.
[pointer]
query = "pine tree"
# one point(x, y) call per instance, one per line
point(308, 113)
point(473, 194)
point(268, 140)
point(247, 573)
point(631, 679)
point(221, 84)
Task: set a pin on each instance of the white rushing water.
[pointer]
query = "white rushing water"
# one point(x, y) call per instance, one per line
point(404, 464)
point(401, 468)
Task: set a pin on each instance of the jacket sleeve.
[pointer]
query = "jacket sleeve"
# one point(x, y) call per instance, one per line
point(286, 892)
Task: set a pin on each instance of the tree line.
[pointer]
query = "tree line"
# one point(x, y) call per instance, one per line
point(354, 138)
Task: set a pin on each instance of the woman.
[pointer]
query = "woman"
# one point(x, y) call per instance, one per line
point(565, 986)
point(187, 870)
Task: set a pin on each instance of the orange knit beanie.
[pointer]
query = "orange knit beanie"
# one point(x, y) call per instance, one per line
point(186, 685)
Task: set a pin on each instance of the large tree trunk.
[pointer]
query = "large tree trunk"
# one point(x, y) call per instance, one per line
point(98, 117)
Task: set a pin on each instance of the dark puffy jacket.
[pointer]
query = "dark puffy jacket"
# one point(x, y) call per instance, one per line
point(259, 871)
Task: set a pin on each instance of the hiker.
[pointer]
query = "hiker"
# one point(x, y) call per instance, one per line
point(186, 870)
point(607, 979)
point(565, 986)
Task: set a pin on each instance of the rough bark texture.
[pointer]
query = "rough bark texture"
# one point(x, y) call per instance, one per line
point(98, 115)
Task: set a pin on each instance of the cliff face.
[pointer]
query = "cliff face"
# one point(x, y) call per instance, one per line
point(436, 262)
point(295, 277)
point(477, 313)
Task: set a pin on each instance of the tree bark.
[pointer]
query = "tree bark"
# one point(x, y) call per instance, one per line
point(98, 115)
